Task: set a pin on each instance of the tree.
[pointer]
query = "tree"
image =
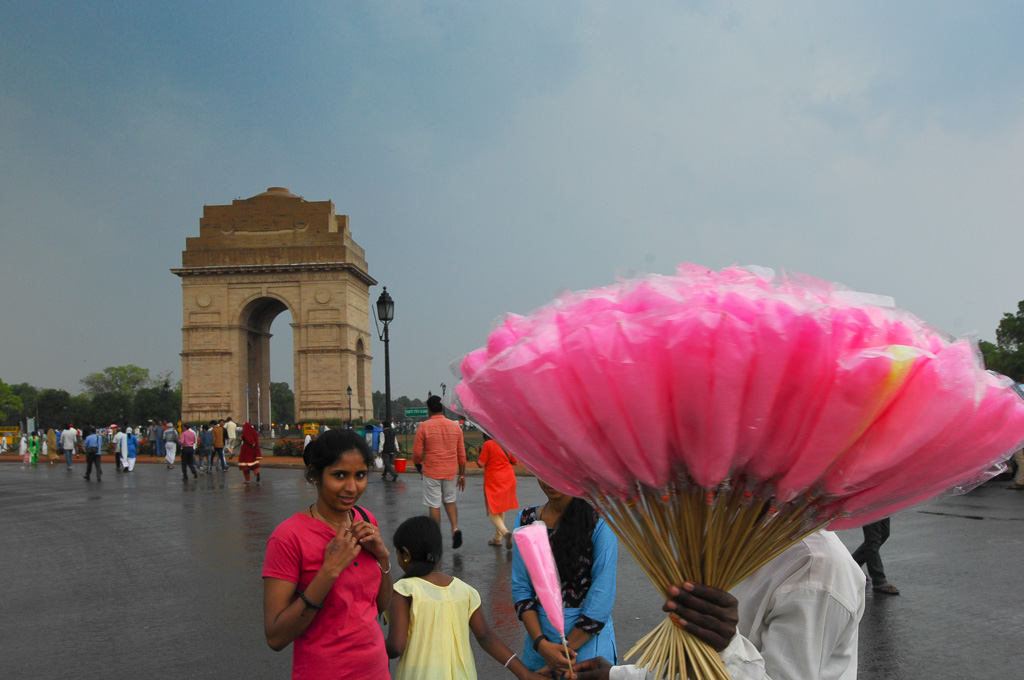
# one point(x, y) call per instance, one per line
point(398, 405)
point(80, 410)
point(54, 408)
point(1007, 355)
point(27, 393)
point(123, 380)
point(282, 403)
point(10, 403)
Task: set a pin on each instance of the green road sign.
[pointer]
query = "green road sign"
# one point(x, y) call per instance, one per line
point(416, 412)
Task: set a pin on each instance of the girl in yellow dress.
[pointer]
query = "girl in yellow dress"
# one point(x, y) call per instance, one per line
point(432, 614)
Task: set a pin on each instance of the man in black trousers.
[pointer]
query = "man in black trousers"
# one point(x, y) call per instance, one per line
point(875, 534)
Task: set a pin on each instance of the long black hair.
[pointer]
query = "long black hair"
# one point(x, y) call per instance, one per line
point(421, 537)
point(326, 450)
point(571, 540)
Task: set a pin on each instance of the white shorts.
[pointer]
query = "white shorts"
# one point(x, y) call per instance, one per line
point(437, 490)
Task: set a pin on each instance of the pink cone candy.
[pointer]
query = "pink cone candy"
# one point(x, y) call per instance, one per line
point(535, 549)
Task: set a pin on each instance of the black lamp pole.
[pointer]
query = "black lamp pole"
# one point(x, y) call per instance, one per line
point(349, 392)
point(386, 312)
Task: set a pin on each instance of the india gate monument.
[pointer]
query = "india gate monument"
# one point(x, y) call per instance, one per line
point(254, 259)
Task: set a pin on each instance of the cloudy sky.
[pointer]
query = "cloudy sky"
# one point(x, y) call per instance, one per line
point(492, 154)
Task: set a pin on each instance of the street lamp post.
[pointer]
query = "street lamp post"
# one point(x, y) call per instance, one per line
point(349, 392)
point(386, 312)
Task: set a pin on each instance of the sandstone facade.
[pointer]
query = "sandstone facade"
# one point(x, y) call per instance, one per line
point(254, 259)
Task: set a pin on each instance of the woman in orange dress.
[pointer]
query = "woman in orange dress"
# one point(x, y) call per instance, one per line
point(499, 488)
point(249, 457)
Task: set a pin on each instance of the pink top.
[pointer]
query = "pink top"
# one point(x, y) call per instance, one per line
point(187, 438)
point(440, 447)
point(344, 641)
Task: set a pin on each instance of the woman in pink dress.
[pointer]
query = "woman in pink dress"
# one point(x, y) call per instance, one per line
point(327, 573)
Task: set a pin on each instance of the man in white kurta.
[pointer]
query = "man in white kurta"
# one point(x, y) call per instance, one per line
point(798, 618)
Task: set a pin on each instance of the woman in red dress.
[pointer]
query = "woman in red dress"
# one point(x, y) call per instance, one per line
point(499, 488)
point(249, 456)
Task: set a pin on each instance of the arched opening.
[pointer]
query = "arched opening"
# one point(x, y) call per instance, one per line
point(257, 320)
point(365, 400)
point(283, 369)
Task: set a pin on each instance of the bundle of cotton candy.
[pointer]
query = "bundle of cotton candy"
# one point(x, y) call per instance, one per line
point(716, 418)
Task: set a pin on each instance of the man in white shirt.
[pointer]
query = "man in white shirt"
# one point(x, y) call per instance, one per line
point(231, 429)
point(795, 618)
point(68, 439)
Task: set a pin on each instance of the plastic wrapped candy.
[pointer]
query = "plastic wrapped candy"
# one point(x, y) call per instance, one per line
point(715, 418)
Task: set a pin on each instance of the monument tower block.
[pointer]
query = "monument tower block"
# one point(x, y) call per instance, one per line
point(252, 260)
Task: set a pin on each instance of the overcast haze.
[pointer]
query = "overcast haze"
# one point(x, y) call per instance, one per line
point(492, 154)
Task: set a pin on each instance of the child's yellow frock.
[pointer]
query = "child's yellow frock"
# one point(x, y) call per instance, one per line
point(438, 646)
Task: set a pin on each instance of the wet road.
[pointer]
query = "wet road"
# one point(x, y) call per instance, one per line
point(143, 576)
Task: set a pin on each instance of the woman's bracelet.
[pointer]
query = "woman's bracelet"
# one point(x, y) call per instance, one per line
point(536, 640)
point(510, 660)
point(382, 568)
point(310, 605)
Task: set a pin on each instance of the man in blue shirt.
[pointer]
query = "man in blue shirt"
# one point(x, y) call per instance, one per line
point(93, 449)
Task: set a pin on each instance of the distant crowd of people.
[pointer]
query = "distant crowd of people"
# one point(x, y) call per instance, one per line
point(202, 449)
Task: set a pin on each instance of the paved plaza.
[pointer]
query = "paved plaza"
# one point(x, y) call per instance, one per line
point(143, 576)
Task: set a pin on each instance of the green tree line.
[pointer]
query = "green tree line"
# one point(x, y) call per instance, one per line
point(118, 394)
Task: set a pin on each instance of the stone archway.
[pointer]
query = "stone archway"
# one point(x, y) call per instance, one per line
point(254, 259)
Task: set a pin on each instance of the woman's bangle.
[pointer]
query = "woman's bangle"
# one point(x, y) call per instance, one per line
point(310, 605)
point(536, 640)
point(509, 660)
point(382, 568)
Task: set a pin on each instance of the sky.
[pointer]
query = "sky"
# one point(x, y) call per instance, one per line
point(493, 155)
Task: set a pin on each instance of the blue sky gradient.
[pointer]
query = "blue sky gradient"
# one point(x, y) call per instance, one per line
point(491, 155)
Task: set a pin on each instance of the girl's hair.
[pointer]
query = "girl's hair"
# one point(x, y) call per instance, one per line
point(571, 540)
point(326, 450)
point(421, 536)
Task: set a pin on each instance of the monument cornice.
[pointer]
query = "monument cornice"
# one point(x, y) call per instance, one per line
point(292, 268)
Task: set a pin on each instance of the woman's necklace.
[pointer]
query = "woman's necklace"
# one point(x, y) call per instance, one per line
point(544, 510)
point(324, 518)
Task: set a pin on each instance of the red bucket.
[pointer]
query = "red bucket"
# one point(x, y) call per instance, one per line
point(400, 464)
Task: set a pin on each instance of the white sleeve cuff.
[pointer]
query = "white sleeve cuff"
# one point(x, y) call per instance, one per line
point(628, 673)
point(742, 659)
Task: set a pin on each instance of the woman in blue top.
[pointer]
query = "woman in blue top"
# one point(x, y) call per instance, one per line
point(586, 552)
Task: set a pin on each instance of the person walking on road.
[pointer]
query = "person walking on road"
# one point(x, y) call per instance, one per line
point(187, 440)
point(499, 488)
point(440, 449)
point(217, 428)
point(93, 448)
point(33, 448)
point(170, 445)
point(249, 455)
point(875, 534)
point(388, 451)
point(129, 449)
point(51, 446)
point(68, 439)
point(231, 429)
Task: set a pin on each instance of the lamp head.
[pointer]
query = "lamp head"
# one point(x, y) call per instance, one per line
point(385, 307)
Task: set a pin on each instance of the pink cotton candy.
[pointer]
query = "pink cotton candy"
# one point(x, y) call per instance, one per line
point(789, 383)
point(535, 550)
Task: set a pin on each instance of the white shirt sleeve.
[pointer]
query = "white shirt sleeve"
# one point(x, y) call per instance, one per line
point(808, 636)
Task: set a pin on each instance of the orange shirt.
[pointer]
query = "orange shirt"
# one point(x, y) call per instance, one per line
point(440, 447)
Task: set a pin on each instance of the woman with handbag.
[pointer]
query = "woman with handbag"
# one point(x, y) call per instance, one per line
point(499, 488)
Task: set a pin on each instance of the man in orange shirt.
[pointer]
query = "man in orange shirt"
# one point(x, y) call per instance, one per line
point(440, 449)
